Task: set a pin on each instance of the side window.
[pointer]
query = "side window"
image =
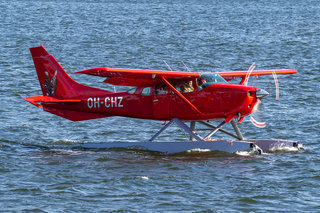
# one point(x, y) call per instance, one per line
point(146, 91)
point(161, 90)
point(132, 90)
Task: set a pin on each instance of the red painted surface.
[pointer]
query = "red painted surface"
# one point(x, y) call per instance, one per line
point(156, 96)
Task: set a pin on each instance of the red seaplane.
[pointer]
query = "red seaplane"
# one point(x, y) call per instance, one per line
point(171, 96)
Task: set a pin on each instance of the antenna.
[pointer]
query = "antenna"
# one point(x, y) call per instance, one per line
point(186, 66)
point(167, 65)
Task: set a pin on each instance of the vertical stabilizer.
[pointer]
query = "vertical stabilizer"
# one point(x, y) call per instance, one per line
point(54, 81)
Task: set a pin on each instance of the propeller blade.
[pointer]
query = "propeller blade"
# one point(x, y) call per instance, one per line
point(277, 85)
point(257, 117)
point(249, 73)
point(257, 123)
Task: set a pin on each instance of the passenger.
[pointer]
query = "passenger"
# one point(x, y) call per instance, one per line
point(187, 87)
point(162, 90)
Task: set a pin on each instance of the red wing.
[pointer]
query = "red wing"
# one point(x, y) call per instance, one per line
point(242, 74)
point(136, 82)
point(135, 77)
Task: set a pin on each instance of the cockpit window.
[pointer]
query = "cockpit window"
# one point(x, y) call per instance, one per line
point(207, 79)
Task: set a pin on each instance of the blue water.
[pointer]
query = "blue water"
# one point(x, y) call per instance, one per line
point(42, 167)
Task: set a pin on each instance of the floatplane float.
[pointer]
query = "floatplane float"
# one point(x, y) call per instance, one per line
point(172, 96)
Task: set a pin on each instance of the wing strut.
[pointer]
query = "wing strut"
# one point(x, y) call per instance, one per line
point(181, 96)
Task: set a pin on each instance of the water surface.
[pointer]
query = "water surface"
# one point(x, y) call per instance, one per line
point(44, 170)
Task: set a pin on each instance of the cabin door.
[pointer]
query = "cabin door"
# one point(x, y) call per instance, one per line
point(161, 102)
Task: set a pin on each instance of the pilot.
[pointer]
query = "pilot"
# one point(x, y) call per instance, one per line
point(201, 82)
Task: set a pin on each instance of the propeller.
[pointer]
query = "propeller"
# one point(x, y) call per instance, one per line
point(257, 116)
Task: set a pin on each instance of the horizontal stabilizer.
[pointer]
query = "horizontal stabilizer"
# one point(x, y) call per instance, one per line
point(73, 115)
point(35, 100)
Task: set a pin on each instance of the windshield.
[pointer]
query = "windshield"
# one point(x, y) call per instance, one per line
point(207, 79)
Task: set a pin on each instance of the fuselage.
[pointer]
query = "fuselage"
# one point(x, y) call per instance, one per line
point(216, 101)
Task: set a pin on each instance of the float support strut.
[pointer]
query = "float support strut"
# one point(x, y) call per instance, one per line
point(181, 125)
point(215, 130)
point(192, 127)
point(237, 130)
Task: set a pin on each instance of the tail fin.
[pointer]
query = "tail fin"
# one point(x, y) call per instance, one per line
point(54, 81)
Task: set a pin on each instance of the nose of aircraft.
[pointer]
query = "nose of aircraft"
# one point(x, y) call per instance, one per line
point(261, 93)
